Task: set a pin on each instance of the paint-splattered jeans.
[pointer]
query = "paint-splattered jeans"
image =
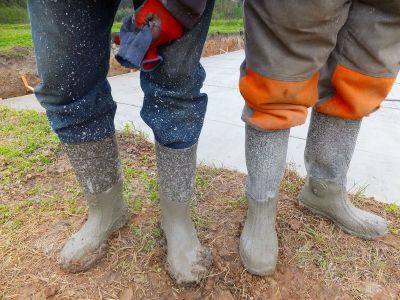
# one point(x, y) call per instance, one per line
point(72, 45)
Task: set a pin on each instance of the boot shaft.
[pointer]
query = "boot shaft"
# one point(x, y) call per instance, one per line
point(330, 146)
point(176, 172)
point(96, 164)
point(265, 161)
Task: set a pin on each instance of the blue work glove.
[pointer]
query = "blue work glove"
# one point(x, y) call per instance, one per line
point(134, 44)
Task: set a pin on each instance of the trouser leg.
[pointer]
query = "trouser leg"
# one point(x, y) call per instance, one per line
point(279, 79)
point(174, 108)
point(355, 81)
point(72, 45)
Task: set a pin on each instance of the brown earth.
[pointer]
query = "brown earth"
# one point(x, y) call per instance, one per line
point(21, 61)
point(316, 260)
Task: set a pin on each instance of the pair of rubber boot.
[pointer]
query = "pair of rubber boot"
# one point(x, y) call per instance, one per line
point(98, 169)
point(329, 149)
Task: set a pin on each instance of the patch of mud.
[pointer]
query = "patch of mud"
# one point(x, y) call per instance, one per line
point(19, 61)
point(50, 243)
point(220, 43)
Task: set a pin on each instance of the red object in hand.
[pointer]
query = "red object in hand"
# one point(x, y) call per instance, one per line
point(165, 29)
point(117, 39)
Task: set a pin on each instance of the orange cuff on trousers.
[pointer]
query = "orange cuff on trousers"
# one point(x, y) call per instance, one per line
point(357, 95)
point(277, 104)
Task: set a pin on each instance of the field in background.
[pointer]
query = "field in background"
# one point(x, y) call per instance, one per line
point(217, 25)
point(14, 35)
point(13, 15)
point(15, 29)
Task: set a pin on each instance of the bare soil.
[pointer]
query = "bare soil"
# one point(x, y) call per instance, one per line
point(316, 260)
point(21, 61)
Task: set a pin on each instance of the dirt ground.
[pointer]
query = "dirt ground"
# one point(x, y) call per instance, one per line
point(21, 61)
point(316, 260)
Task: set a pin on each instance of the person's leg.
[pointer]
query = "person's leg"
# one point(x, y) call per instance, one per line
point(174, 108)
point(359, 74)
point(72, 45)
point(286, 45)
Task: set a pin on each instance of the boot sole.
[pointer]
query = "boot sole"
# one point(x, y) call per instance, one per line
point(314, 210)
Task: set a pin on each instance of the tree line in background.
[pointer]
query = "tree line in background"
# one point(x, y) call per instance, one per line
point(13, 12)
point(20, 3)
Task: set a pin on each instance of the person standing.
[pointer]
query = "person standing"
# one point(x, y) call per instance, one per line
point(72, 45)
point(339, 57)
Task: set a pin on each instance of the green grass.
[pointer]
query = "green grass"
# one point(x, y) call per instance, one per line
point(13, 35)
point(26, 144)
point(393, 208)
point(226, 26)
point(223, 26)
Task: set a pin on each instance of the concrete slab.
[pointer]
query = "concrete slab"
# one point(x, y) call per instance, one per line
point(376, 163)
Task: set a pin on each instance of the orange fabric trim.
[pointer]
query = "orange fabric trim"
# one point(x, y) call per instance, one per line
point(286, 116)
point(357, 95)
point(277, 104)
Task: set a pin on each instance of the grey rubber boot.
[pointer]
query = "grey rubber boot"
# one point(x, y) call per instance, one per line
point(265, 160)
point(187, 260)
point(329, 149)
point(98, 169)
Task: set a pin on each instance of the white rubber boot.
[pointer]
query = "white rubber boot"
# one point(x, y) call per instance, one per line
point(98, 169)
point(265, 160)
point(330, 146)
point(187, 260)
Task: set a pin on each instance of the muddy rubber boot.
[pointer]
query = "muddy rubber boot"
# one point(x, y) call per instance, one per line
point(265, 160)
point(329, 149)
point(187, 260)
point(98, 170)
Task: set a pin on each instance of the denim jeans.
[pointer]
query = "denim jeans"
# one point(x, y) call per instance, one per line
point(72, 45)
point(173, 105)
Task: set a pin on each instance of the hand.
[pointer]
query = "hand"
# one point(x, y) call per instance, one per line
point(164, 27)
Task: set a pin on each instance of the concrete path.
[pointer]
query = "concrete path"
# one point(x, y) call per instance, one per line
point(376, 163)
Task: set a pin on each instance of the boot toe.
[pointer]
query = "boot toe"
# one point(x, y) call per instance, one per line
point(79, 254)
point(258, 260)
point(360, 223)
point(374, 226)
point(189, 271)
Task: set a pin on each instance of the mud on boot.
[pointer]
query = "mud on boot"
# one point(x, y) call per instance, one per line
point(107, 214)
point(98, 169)
point(330, 146)
point(259, 242)
point(187, 260)
point(265, 161)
